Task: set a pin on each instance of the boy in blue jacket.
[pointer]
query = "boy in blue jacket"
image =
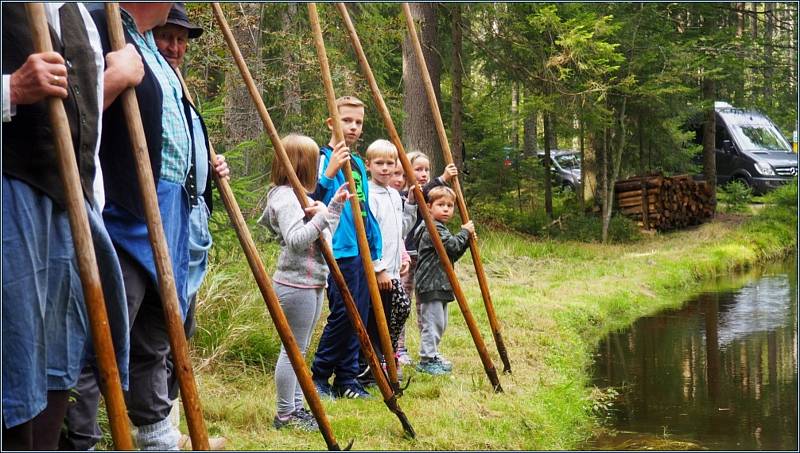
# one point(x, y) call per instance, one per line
point(337, 353)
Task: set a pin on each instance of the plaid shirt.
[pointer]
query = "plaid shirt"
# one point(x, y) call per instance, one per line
point(176, 142)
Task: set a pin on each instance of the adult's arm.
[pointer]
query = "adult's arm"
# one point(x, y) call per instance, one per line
point(124, 69)
point(42, 75)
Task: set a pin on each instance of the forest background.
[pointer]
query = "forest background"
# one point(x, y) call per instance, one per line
point(614, 81)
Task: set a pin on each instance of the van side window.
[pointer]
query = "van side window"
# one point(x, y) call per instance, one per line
point(721, 134)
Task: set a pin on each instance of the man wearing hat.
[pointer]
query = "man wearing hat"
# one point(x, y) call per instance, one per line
point(173, 152)
point(172, 40)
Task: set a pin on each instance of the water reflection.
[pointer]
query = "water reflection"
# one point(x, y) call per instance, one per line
point(720, 372)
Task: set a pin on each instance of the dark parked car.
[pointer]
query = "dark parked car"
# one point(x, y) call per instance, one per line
point(565, 168)
point(750, 149)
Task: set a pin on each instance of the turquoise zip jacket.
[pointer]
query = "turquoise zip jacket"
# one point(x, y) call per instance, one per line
point(345, 243)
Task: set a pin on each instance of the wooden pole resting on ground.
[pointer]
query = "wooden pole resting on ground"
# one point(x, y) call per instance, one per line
point(358, 220)
point(84, 247)
point(462, 207)
point(273, 304)
point(166, 280)
point(352, 312)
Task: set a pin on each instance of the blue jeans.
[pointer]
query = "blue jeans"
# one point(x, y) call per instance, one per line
point(338, 348)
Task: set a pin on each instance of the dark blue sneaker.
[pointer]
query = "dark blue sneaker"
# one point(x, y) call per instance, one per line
point(353, 391)
point(323, 389)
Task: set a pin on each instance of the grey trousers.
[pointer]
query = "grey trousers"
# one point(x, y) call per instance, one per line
point(433, 321)
point(147, 398)
point(302, 307)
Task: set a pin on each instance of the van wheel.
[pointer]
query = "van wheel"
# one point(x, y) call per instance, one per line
point(744, 181)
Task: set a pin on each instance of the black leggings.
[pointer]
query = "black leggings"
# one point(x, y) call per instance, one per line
point(40, 432)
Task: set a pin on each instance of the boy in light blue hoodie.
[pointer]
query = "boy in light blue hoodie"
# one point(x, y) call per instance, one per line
point(338, 349)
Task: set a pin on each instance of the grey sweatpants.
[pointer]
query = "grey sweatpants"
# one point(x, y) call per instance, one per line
point(433, 322)
point(302, 307)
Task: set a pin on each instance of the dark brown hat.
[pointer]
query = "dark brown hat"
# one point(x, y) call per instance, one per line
point(178, 16)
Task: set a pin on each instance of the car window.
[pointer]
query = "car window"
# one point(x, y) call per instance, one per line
point(761, 138)
point(568, 161)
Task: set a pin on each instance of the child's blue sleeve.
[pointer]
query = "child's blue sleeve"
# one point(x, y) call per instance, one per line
point(325, 186)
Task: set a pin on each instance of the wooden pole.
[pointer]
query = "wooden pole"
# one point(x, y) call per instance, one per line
point(389, 396)
point(462, 207)
point(434, 233)
point(358, 220)
point(271, 299)
point(84, 247)
point(166, 280)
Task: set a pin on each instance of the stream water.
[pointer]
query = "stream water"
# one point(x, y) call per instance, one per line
point(720, 373)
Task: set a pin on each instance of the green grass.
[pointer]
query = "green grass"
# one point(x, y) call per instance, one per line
point(555, 301)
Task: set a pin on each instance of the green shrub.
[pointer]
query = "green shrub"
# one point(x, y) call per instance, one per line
point(734, 196)
point(785, 196)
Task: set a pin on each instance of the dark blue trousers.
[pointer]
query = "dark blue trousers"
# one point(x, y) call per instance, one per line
point(338, 348)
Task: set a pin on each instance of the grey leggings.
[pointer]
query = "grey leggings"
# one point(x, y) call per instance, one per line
point(302, 307)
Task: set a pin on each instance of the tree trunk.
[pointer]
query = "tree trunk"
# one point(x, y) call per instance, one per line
point(515, 116)
point(291, 85)
point(241, 118)
point(529, 144)
point(710, 127)
point(768, 63)
point(619, 148)
point(581, 141)
point(548, 191)
point(640, 121)
point(709, 140)
point(456, 104)
point(754, 20)
point(419, 132)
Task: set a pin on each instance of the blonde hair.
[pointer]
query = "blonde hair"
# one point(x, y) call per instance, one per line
point(416, 155)
point(303, 153)
point(350, 101)
point(381, 148)
point(441, 192)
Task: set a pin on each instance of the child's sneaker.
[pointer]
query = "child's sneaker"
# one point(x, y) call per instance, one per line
point(295, 421)
point(323, 389)
point(404, 358)
point(431, 366)
point(353, 391)
point(444, 363)
point(366, 379)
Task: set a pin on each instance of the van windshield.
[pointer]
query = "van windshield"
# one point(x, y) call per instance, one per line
point(760, 137)
point(569, 161)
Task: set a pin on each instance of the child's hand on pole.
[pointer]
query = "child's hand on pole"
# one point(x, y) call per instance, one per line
point(412, 195)
point(449, 173)
point(469, 226)
point(340, 155)
point(317, 207)
point(384, 281)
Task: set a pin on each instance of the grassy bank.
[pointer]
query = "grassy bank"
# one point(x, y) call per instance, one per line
point(555, 301)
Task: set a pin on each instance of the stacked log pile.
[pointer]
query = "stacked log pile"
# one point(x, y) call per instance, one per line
point(664, 203)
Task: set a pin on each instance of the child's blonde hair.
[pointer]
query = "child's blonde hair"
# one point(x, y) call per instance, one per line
point(441, 192)
point(350, 101)
point(381, 148)
point(416, 155)
point(303, 154)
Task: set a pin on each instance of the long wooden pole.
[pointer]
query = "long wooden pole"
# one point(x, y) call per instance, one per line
point(389, 397)
point(166, 280)
point(271, 299)
point(462, 206)
point(84, 247)
point(434, 233)
point(358, 220)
